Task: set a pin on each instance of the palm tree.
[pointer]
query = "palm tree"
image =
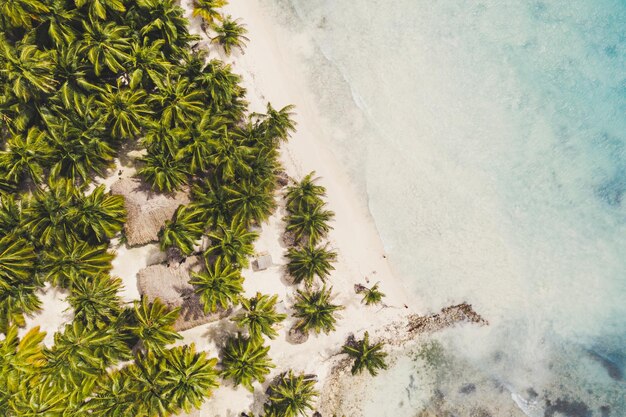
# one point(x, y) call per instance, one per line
point(153, 324)
point(245, 360)
point(63, 263)
point(366, 356)
point(259, 316)
point(277, 124)
point(106, 46)
point(46, 213)
point(183, 231)
point(147, 64)
point(197, 148)
point(17, 301)
point(77, 154)
point(221, 87)
point(98, 8)
point(229, 156)
point(176, 102)
point(218, 286)
point(21, 13)
point(125, 111)
point(307, 262)
point(11, 217)
point(230, 34)
point(163, 172)
point(189, 377)
point(57, 25)
point(160, 138)
point(315, 311)
point(25, 156)
point(95, 299)
point(17, 291)
point(371, 296)
point(210, 198)
point(27, 71)
point(233, 243)
point(72, 73)
point(207, 9)
point(163, 19)
point(291, 395)
point(310, 224)
point(81, 352)
point(305, 193)
point(98, 216)
point(251, 203)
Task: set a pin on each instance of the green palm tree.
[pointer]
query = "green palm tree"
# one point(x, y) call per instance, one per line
point(366, 356)
point(245, 360)
point(210, 198)
point(219, 286)
point(291, 395)
point(183, 231)
point(304, 194)
point(309, 261)
point(163, 172)
point(310, 224)
point(233, 243)
point(25, 156)
point(189, 378)
point(125, 110)
point(259, 316)
point(315, 311)
point(371, 296)
point(153, 324)
point(21, 358)
point(72, 73)
point(57, 24)
point(230, 34)
point(252, 203)
point(63, 263)
point(163, 19)
point(27, 71)
point(46, 213)
point(11, 217)
point(229, 156)
point(17, 301)
point(38, 400)
point(95, 299)
point(207, 9)
point(176, 102)
point(147, 64)
point(81, 353)
point(77, 154)
point(197, 149)
point(98, 8)
point(21, 13)
point(106, 46)
point(98, 216)
point(221, 87)
point(160, 138)
point(277, 125)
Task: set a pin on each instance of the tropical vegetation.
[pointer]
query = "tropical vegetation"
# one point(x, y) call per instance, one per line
point(371, 296)
point(245, 360)
point(291, 395)
point(259, 316)
point(365, 355)
point(315, 311)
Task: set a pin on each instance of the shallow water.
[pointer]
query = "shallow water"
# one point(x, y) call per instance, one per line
point(488, 139)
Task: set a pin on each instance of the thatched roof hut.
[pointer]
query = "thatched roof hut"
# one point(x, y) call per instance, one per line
point(171, 285)
point(147, 210)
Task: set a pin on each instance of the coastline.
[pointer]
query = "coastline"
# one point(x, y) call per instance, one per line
point(270, 72)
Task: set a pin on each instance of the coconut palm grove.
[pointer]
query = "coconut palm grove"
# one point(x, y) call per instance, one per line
point(82, 82)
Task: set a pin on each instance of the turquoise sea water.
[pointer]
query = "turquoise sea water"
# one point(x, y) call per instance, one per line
point(489, 140)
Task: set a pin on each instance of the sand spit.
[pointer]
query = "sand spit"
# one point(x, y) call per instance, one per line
point(334, 396)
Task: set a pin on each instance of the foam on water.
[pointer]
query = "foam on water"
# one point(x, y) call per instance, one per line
point(493, 159)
